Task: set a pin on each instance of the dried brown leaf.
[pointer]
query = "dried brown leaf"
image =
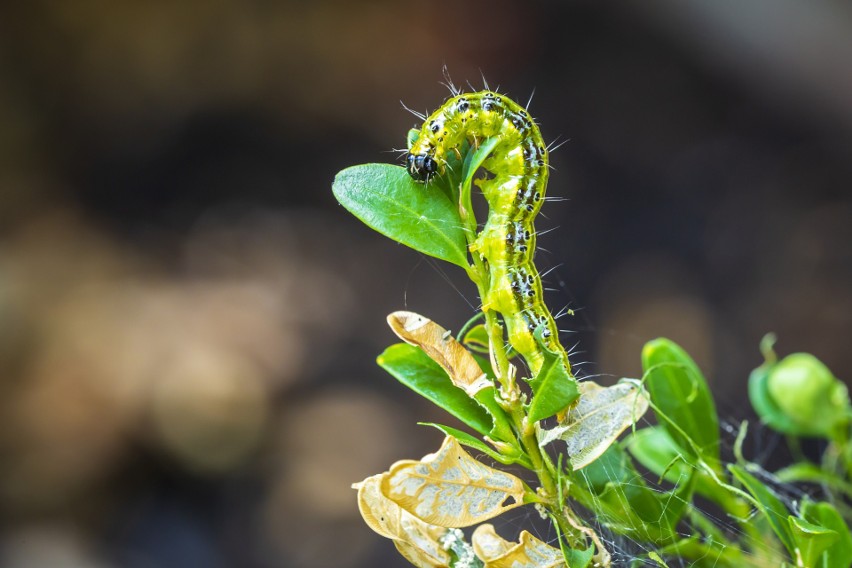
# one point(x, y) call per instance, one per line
point(442, 348)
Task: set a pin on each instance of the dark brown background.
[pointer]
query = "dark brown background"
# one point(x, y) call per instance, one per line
point(189, 320)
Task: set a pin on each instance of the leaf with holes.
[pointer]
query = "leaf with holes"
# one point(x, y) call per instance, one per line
point(530, 552)
point(599, 417)
point(451, 489)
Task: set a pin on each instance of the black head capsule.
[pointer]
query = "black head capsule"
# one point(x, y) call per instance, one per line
point(421, 167)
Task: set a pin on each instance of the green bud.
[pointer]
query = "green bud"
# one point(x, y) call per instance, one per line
point(808, 394)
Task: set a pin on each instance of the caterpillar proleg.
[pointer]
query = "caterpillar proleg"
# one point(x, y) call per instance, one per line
point(514, 191)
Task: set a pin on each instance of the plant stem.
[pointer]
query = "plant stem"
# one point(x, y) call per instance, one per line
point(511, 395)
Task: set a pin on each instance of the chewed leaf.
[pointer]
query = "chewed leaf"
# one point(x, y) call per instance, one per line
point(599, 416)
point(417, 541)
point(442, 348)
point(530, 552)
point(451, 489)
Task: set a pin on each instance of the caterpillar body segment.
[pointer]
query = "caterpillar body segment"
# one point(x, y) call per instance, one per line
point(514, 191)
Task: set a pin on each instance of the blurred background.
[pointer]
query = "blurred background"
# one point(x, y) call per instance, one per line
point(190, 321)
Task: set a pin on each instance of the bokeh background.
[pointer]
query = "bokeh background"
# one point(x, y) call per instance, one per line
point(189, 320)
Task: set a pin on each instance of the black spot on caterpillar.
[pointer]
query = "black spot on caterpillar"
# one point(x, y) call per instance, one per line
point(514, 192)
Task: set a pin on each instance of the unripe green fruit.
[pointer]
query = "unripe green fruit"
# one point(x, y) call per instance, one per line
point(806, 391)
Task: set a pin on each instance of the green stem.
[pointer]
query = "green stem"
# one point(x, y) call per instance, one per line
point(549, 495)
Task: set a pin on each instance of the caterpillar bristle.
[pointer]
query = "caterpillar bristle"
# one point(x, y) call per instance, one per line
point(514, 189)
point(418, 114)
point(529, 101)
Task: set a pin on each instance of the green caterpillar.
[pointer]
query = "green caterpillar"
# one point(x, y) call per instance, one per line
point(515, 192)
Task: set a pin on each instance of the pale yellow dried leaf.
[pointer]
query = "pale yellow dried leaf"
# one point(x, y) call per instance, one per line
point(600, 415)
point(418, 541)
point(451, 489)
point(418, 557)
point(442, 348)
point(487, 544)
point(530, 552)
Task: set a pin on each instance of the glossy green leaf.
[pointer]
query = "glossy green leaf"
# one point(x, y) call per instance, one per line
point(811, 539)
point(553, 388)
point(682, 399)
point(839, 553)
point(413, 368)
point(386, 199)
point(768, 504)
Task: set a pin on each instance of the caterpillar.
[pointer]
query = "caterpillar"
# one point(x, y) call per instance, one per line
point(514, 192)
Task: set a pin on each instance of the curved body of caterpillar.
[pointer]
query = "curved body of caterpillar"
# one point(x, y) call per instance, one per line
point(514, 192)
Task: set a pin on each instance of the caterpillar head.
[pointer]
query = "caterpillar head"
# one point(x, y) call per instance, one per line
point(421, 167)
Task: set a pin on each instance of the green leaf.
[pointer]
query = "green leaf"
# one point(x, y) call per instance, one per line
point(474, 160)
point(579, 558)
point(809, 394)
point(811, 473)
point(413, 368)
point(553, 388)
point(466, 439)
point(502, 429)
point(764, 405)
point(681, 399)
point(825, 515)
point(768, 504)
point(612, 467)
point(625, 504)
point(476, 338)
point(387, 200)
point(811, 539)
point(704, 552)
point(654, 449)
